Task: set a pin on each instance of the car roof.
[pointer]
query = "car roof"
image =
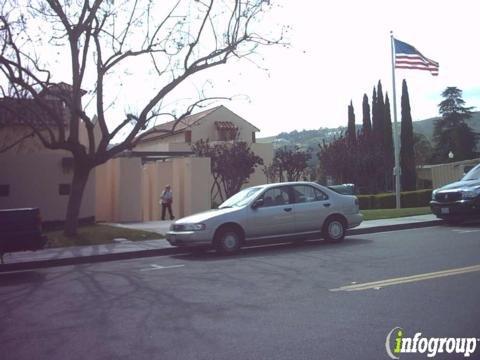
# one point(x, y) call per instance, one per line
point(287, 183)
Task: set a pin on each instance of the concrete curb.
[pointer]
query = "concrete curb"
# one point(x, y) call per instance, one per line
point(89, 259)
point(395, 227)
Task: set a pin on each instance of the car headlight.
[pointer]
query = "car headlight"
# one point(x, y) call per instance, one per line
point(470, 194)
point(434, 192)
point(187, 227)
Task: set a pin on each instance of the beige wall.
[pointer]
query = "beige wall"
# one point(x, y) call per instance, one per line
point(11, 134)
point(196, 185)
point(265, 151)
point(159, 146)
point(128, 191)
point(34, 180)
point(446, 173)
point(119, 190)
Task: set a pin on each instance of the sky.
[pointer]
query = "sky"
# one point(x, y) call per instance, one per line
point(338, 50)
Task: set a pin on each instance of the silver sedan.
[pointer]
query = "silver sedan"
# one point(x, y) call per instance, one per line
point(294, 210)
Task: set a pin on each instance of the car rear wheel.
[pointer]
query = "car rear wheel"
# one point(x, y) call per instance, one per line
point(334, 229)
point(227, 241)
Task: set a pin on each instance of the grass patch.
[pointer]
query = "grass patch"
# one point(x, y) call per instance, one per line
point(377, 214)
point(97, 234)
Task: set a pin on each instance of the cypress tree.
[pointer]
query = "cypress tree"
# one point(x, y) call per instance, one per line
point(388, 141)
point(367, 125)
point(378, 129)
point(380, 108)
point(407, 151)
point(351, 130)
point(374, 111)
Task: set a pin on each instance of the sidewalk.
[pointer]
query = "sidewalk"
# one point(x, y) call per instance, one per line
point(124, 249)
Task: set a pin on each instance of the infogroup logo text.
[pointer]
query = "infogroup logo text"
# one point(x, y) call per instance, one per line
point(397, 343)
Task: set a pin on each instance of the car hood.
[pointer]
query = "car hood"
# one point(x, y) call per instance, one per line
point(205, 215)
point(460, 185)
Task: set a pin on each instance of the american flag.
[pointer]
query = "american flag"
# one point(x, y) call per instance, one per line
point(407, 57)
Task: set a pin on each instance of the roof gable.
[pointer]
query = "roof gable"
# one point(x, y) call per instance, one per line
point(164, 130)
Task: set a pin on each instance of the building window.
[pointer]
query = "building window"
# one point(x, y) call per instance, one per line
point(188, 136)
point(64, 189)
point(4, 190)
point(253, 137)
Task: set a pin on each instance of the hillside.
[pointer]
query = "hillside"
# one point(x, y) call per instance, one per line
point(311, 138)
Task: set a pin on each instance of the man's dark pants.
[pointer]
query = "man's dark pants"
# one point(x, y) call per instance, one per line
point(165, 207)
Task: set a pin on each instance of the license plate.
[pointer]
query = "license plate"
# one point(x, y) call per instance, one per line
point(445, 210)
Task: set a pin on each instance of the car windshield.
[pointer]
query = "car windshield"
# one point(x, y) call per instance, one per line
point(473, 174)
point(241, 198)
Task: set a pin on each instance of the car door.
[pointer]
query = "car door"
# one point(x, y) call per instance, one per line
point(275, 217)
point(311, 208)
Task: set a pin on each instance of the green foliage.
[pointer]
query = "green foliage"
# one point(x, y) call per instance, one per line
point(388, 151)
point(416, 198)
point(422, 149)
point(408, 199)
point(231, 165)
point(351, 130)
point(97, 234)
point(367, 124)
point(407, 151)
point(394, 213)
point(451, 132)
point(289, 163)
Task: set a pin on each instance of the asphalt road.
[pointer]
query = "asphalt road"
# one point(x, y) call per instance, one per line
point(273, 302)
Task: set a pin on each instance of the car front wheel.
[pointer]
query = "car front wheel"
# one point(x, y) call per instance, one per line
point(334, 230)
point(227, 241)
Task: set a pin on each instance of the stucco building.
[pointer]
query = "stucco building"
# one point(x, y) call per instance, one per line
point(126, 188)
point(30, 174)
point(129, 188)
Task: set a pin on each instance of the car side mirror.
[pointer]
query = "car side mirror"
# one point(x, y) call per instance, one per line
point(257, 203)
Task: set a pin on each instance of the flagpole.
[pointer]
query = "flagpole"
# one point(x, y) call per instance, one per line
point(396, 169)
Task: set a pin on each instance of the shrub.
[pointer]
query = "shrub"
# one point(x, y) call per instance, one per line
point(408, 199)
point(384, 201)
point(365, 201)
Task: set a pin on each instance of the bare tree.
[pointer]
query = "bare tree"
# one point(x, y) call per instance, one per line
point(107, 40)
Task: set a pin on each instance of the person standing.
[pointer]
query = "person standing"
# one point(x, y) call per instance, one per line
point(166, 200)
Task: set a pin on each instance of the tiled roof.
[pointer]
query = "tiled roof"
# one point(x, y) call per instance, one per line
point(225, 125)
point(186, 123)
point(28, 112)
point(60, 88)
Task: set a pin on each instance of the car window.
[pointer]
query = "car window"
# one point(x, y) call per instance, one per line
point(241, 198)
point(473, 174)
point(306, 193)
point(276, 196)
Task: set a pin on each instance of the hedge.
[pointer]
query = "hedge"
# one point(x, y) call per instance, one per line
point(408, 199)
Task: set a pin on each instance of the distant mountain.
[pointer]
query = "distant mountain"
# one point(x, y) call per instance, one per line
point(311, 138)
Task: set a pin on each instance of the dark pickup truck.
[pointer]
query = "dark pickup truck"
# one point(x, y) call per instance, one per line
point(20, 230)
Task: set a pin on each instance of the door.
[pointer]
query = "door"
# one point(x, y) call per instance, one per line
point(275, 217)
point(311, 208)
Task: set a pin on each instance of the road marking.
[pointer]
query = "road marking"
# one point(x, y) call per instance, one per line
point(408, 279)
point(160, 267)
point(466, 231)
